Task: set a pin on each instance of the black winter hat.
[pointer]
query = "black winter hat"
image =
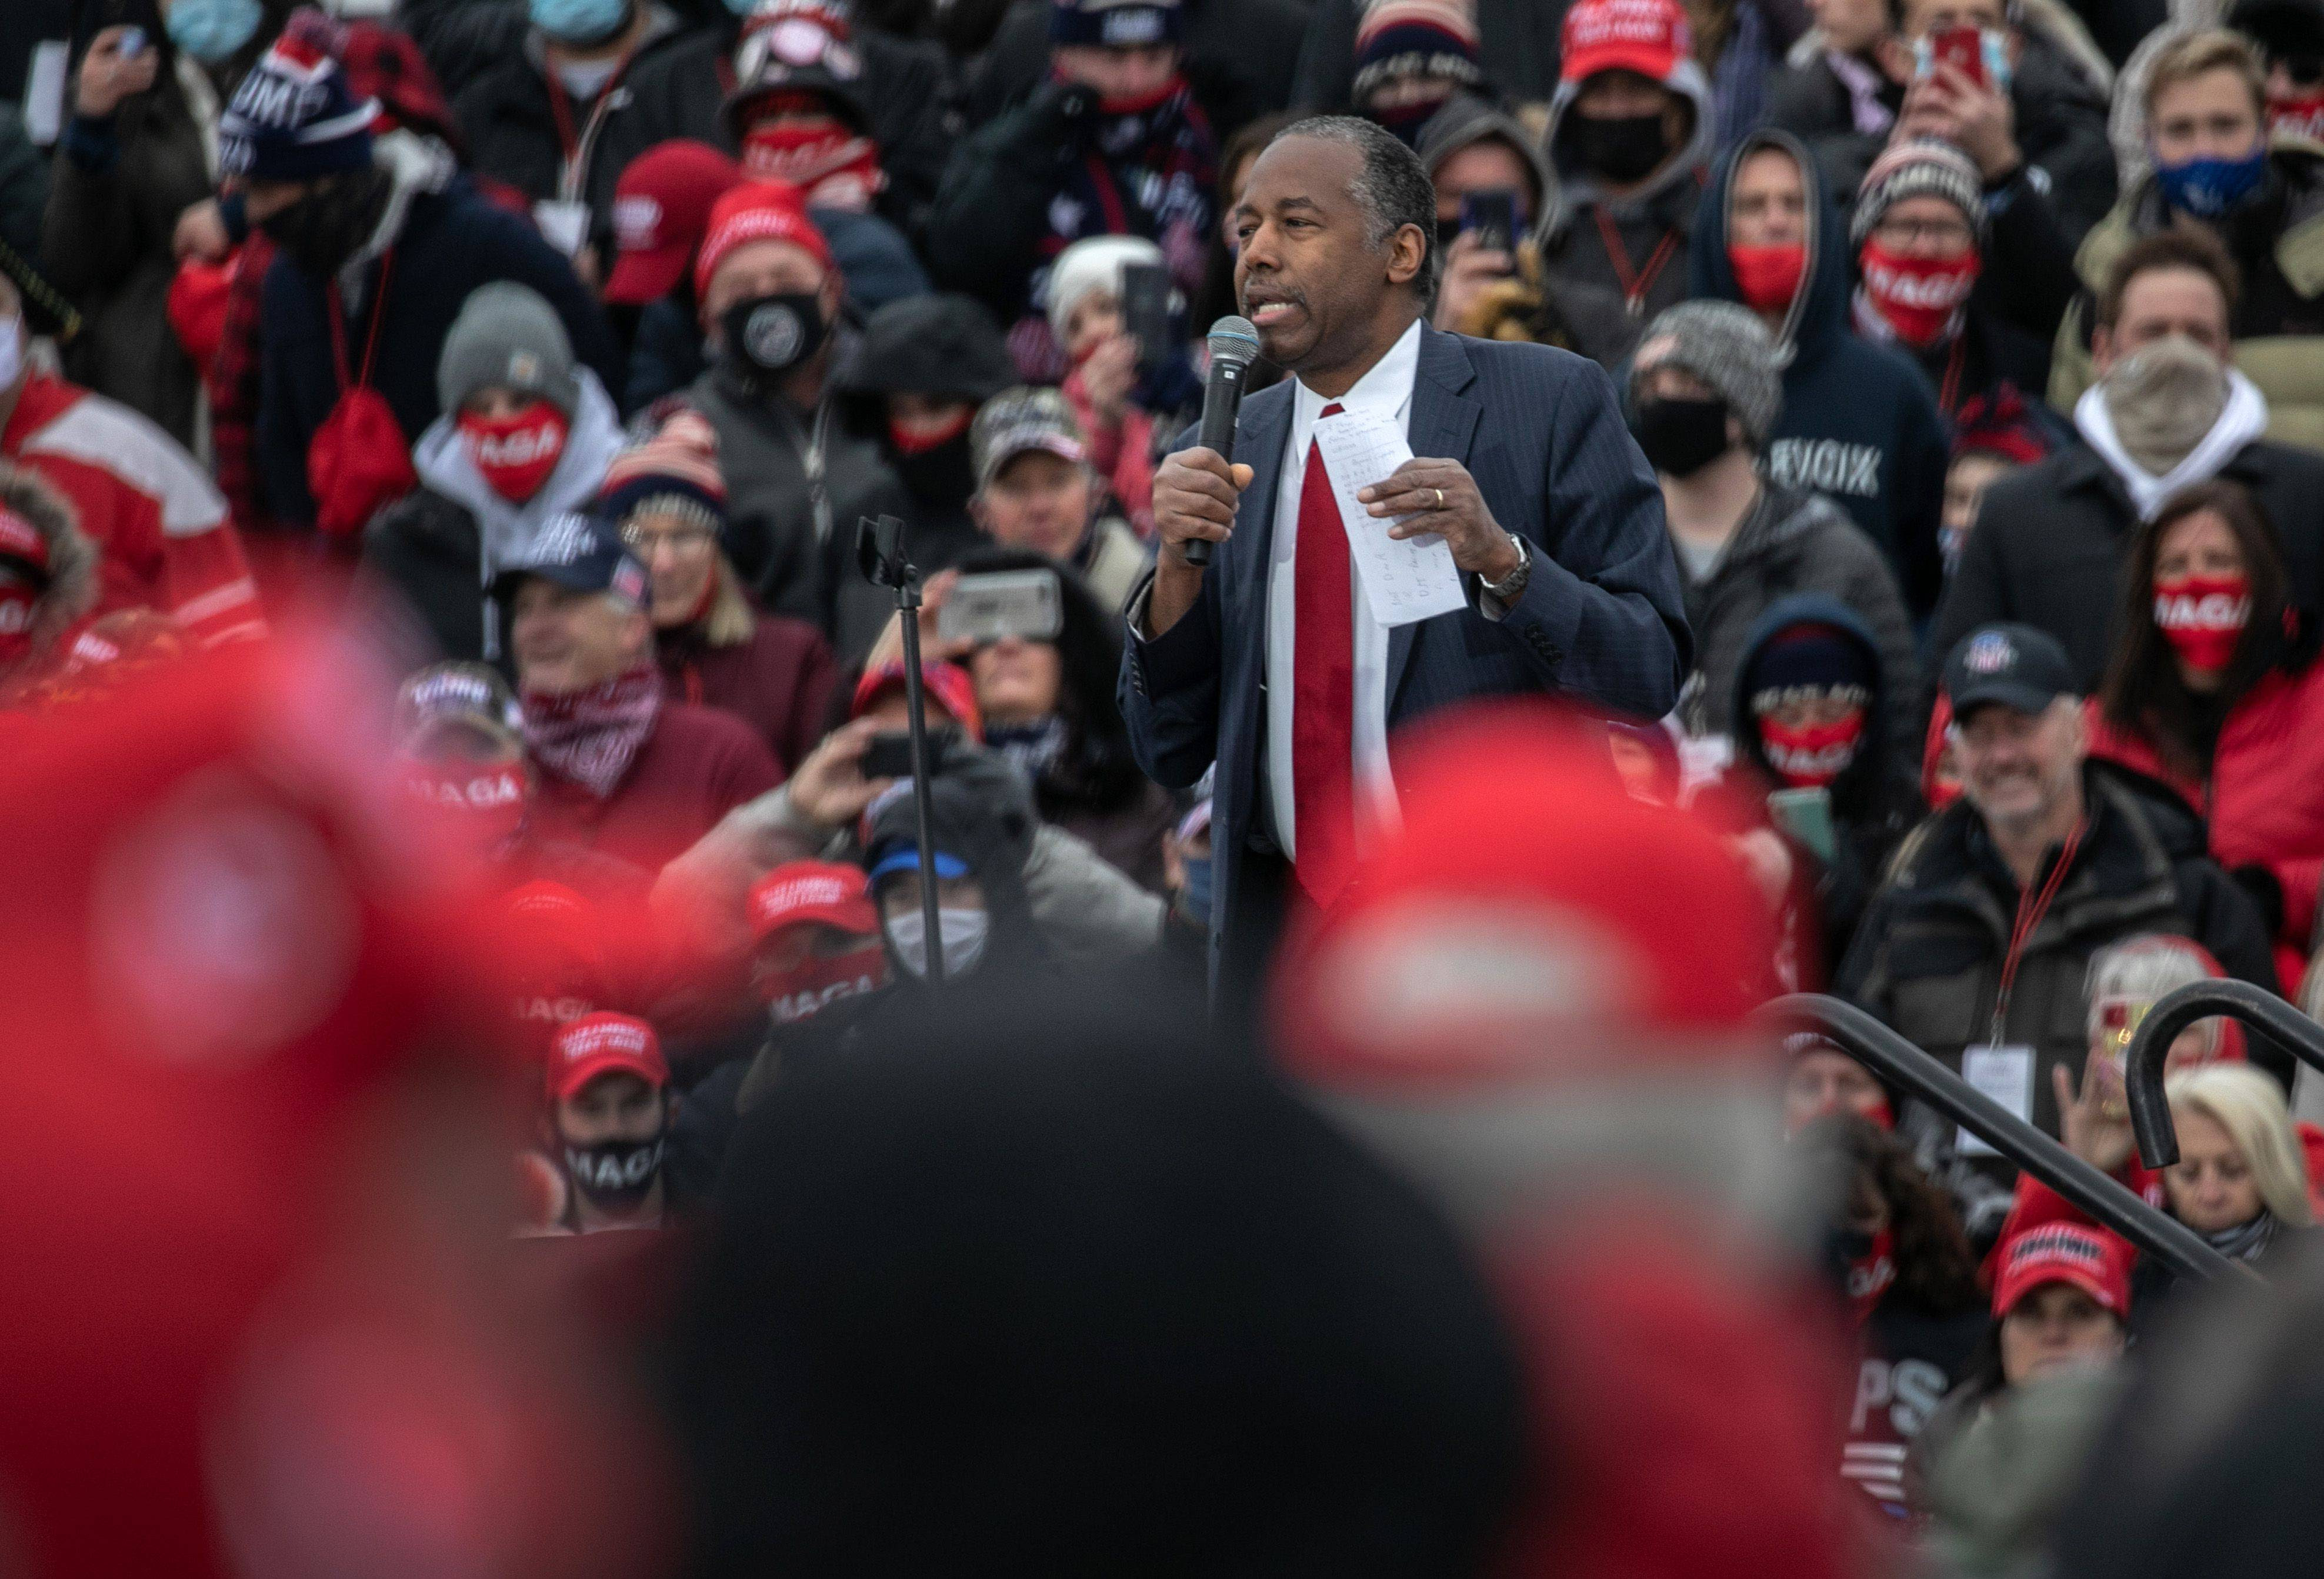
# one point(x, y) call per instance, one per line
point(1053, 1286)
point(945, 346)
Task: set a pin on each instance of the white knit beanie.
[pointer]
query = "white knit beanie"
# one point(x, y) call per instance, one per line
point(1094, 263)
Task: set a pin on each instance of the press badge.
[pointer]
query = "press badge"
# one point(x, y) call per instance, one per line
point(2003, 1074)
point(562, 225)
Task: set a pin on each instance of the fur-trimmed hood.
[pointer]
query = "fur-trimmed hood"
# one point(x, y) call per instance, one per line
point(71, 591)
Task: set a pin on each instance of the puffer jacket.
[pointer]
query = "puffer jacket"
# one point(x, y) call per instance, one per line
point(2264, 800)
point(1928, 958)
point(1794, 541)
point(2278, 244)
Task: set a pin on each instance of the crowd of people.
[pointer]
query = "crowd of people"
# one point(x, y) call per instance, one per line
point(669, 538)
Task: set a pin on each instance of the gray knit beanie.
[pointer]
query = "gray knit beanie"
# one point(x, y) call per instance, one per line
point(1725, 345)
point(507, 334)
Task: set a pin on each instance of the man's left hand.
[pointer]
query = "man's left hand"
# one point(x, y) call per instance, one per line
point(1951, 106)
point(1441, 497)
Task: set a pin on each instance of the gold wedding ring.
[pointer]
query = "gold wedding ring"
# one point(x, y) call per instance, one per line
point(1440, 497)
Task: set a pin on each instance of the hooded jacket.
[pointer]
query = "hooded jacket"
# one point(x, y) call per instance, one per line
point(1876, 799)
point(2278, 323)
point(980, 810)
point(1792, 542)
point(447, 242)
point(71, 591)
point(1660, 214)
point(1927, 958)
point(1593, 317)
point(1859, 422)
point(440, 548)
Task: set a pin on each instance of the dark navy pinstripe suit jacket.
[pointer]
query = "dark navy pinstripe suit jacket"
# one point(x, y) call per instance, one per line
point(1603, 619)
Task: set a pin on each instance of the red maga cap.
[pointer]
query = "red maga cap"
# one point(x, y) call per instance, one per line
point(1650, 37)
point(800, 891)
point(601, 1044)
point(2090, 1259)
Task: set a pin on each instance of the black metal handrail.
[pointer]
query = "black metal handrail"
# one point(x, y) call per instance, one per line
point(2174, 1012)
point(1896, 1060)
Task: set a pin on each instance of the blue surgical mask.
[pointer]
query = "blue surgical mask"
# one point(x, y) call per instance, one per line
point(1194, 898)
point(580, 22)
point(2208, 188)
point(741, 7)
point(212, 31)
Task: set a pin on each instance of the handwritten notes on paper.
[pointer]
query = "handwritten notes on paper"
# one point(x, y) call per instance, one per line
point(1413, 579)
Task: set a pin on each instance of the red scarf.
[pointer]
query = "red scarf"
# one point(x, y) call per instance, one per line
point(834, 167)
point(2203, 617)
point(1919, 298)
point(515, 454)
point(920, 441)
point(590, 737)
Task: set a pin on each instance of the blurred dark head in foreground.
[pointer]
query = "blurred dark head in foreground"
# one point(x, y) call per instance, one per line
point(1038, 1289)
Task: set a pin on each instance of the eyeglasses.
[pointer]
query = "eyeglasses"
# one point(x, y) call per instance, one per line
point(1944, 232)
point(683, 540)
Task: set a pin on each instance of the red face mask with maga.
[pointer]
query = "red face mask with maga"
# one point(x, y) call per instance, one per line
point(1810, 756)
point(2301, 117)
point(1917, 297)
point(807, 989)
point(515, 454)
point(470, 810)
point(1769, 277)
point(816, 153)
point(2203, 617)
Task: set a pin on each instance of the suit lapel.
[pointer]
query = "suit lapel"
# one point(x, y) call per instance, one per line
point(1443, 424)
point(1259, 444)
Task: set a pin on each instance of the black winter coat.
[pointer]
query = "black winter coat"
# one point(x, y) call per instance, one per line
point(1928, 957)
point(2061, 129)
point(2048, 546)
point(1239, 58)
point(509, 117)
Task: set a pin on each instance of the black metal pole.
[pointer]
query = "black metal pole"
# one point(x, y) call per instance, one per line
point(908, 615)
point(2174, 1012)
point(1890, 1055)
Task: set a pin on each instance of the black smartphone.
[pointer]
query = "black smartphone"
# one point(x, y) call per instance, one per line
point(1146, 312)
point(1491, 216)
point(890, 755)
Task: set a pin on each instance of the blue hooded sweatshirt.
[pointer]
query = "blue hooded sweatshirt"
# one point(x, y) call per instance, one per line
point(1859, 424)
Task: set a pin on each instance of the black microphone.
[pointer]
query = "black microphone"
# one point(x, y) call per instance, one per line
point(1234, 345)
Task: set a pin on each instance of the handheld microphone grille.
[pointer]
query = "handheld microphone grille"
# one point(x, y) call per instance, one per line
point(1235, 339)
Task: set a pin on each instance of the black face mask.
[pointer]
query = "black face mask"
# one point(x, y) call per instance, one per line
point(1621, 148)
point(321, 231)
point(941, 476)
point(614, 1176)
point(1681, 437)
point(769, 335)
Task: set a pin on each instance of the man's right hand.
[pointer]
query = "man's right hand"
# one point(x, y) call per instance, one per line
point(1195, 491)
point(829, 790)
point(108, 76)
point(1469, 271)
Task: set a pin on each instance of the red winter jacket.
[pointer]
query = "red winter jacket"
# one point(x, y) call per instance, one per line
point(697, 765)
point(160, 525)
point(2265, 798)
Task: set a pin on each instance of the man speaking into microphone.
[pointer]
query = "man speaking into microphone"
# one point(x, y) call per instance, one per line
point(1274, 658)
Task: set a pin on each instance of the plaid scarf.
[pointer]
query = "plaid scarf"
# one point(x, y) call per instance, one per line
point(590, 737)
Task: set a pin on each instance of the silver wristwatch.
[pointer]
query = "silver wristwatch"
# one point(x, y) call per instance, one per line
point(1511, 587)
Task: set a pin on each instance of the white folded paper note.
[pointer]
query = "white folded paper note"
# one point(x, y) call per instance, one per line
point(1413, 579)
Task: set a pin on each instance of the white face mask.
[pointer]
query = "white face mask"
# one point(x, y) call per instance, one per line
point(964, 932)
point(12, 351)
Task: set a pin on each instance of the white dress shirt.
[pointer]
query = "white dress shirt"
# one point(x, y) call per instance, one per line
point(1385, 390)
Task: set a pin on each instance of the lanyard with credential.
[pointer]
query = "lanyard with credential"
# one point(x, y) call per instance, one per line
point(573, 163)
point(2032, 906)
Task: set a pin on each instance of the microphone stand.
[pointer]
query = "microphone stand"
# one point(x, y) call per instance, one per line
point(879, 546)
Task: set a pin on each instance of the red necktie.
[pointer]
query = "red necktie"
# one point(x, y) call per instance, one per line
point(1323, 688)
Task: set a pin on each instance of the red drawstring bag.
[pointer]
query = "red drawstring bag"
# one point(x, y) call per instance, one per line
point(358, 463)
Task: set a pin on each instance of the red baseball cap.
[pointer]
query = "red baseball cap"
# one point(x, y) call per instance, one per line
point(2091, 1259)
point(1482, 940)
point(661, 212)
point(601, 1044)
point(1650, 37)
point(757, 211)
point(800, 891)
point(948, 686)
